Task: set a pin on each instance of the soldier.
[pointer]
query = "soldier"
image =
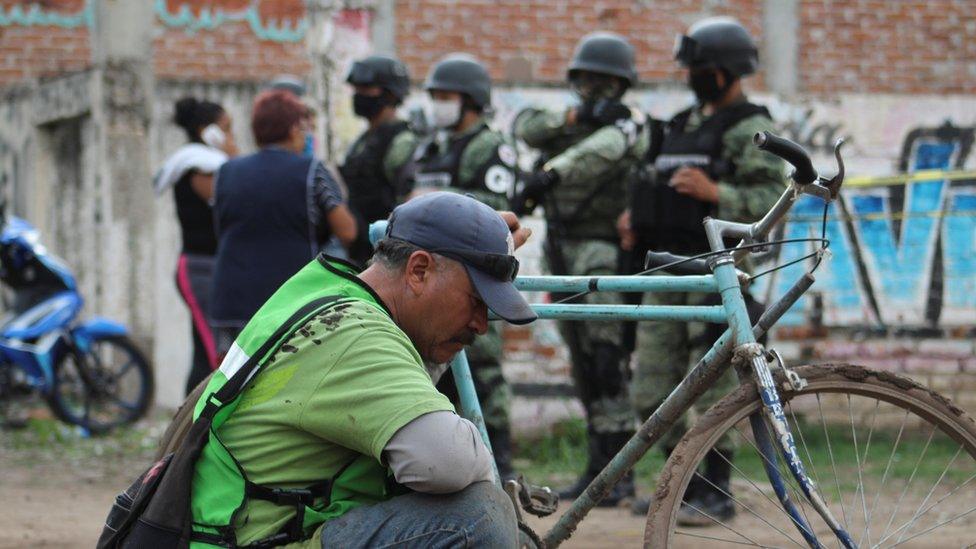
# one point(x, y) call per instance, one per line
point(465, 155)
point(586, 152)
point(374, 166)
point(704, 164)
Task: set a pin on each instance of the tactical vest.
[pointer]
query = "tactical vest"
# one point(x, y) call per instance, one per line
point(220, 488)
point(371, 194)
point(262, 212)
point(588, 209)
point(434, 168)
point(663, 218)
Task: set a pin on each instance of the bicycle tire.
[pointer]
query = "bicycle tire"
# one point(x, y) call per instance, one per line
point(895, 392)
point(131, 411)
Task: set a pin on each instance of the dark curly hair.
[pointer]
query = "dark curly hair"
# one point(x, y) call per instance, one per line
point(193, 115)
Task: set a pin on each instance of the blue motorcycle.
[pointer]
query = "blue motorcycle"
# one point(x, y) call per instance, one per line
point(90, 372)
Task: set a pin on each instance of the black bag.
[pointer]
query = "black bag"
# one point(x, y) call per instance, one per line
point(155, 510)
point(132, 502)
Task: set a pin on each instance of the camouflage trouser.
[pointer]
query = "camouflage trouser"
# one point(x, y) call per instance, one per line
point(666, 351)
point(494, 393)
point(599, 364)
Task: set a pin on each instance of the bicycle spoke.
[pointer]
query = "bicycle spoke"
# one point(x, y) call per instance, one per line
point(747, 508)
point(788, 478)
point(917, 514)
point(789, 482)
point(776, 504)
point(722, 524)
point(947, 521)
point(833, 464)
point(857, 461)
point(702, 536)
point(799, 498)
point(907, 484)
point(884, 476)
point(933, 506)
point(796, 423)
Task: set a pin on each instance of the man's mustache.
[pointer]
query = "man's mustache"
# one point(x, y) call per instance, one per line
point(467, 338)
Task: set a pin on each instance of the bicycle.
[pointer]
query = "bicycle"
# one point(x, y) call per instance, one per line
point(777, 402)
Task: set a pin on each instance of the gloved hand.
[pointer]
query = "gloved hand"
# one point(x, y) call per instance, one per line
point(602, 112)
point(531, 190)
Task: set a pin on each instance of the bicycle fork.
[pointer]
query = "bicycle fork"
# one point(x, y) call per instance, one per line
point(749, 352)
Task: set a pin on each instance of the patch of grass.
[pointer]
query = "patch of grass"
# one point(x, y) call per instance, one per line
point(46, 441)
point(558, 457)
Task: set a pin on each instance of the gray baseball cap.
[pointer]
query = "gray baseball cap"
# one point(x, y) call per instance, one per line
point(468, 231)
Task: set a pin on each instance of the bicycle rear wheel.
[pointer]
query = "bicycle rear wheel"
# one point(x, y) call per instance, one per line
point(894, 461)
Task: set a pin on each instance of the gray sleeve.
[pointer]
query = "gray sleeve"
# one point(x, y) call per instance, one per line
point(438, 453)
point(326, 191)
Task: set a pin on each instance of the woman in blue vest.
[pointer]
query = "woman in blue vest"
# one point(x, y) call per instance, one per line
point(189, 171)
point(274, 210)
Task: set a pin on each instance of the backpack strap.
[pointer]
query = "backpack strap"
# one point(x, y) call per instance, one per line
point(169, 509)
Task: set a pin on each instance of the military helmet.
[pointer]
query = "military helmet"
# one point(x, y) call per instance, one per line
point(380, 70)
point(462, 73)
point(604, 53)
point(718, 42)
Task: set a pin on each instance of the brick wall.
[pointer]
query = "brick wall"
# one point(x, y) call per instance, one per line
point(908, 46)
point(232, 51)
point(861, 46)
point(34, 52)
point(510, 34)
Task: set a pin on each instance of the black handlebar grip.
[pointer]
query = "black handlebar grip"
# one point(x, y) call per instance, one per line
point(689, 267)
point(790, 152)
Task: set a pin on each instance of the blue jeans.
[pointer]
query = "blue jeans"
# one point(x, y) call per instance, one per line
point(481, 515)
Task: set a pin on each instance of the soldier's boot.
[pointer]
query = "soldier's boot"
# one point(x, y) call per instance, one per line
point(711, 499)
point(594, 464)
point(501, 446)
point(623, 491)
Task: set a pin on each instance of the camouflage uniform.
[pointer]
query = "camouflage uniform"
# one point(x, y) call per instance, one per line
point(592, 163)
point(486, 171)
point(665, 351)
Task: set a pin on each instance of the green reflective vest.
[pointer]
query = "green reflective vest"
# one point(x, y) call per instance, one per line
point(220, 486)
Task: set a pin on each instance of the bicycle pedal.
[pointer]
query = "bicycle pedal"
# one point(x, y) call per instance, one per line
point(535, 500)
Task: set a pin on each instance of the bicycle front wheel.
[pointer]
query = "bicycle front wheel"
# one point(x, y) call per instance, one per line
point(894, 461)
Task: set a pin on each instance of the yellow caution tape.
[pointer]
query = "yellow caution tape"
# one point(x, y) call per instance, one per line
point(914, 177)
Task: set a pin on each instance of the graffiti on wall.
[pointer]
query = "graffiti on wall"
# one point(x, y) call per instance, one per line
point(211, 18)
point(903, 253)
point(38, 15)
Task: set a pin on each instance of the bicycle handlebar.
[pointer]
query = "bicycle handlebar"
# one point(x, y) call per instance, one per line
point(688, 267)
point(789, 151)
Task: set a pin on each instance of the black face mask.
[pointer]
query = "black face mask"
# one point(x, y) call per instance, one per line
point(705, 85)
point(368, 106)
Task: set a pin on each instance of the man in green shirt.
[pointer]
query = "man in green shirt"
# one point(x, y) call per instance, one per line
point(466, 155)
point(702, 164)
point(340, 439)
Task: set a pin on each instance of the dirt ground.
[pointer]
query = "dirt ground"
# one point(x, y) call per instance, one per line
point(53, 506)
point(57, 495)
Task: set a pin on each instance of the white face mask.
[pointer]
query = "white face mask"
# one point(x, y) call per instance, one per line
point(444, 114)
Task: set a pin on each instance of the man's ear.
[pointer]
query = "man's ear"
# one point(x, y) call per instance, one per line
point(419, 271)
